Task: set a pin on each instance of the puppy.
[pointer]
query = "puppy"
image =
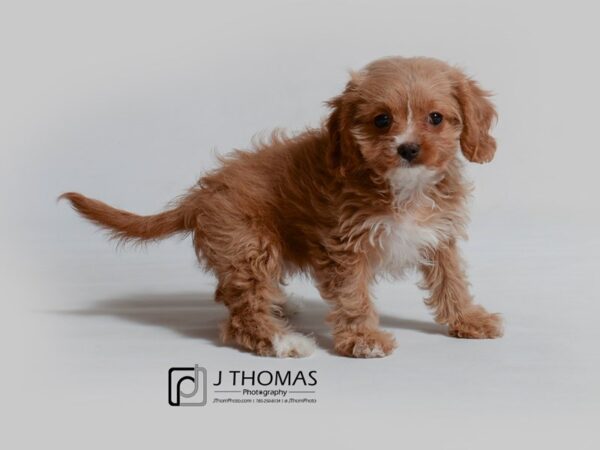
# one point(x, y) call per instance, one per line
point(376, 191)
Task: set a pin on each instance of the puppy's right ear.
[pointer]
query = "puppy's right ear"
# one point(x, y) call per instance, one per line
point(343, 153)
point(334, 128)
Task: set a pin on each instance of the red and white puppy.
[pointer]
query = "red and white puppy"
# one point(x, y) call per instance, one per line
point(377, 190)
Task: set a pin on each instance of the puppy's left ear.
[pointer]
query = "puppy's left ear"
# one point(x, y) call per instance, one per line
point(478, 115)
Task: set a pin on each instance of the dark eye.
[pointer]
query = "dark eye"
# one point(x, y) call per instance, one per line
point(382, 121)
point(435, 118)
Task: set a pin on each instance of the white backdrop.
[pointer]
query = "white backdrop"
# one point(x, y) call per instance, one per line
point(127, 102)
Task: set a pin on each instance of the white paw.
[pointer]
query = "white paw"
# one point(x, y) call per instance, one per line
point(369, 352)
point(293, 345)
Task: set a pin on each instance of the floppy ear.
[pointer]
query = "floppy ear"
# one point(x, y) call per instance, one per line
point(343, 153)
point(478, 113)
point(335, 128)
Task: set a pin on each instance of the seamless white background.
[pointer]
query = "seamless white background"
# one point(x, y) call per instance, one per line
point(128, 101)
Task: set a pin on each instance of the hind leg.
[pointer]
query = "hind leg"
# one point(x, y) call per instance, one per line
point(249, 287)
point(253, 323)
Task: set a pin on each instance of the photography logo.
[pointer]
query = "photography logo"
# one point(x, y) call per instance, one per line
point(187, 386)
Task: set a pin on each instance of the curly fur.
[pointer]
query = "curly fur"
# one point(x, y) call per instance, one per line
point(340, 204)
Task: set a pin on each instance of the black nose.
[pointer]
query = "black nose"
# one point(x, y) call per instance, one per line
point(409, 151)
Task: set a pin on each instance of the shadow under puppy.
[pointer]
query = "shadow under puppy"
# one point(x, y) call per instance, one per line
point(378, 189)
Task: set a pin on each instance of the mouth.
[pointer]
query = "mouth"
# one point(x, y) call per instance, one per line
point(408, 164)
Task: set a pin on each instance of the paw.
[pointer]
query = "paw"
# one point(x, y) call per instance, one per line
point(477, 323)
point(264, 339)
point(364, 343)
point(293, 345)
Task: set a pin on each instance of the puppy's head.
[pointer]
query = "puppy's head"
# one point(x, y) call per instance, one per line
point(409, 112)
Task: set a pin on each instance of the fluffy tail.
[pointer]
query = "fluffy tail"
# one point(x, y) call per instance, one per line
point(125, 226)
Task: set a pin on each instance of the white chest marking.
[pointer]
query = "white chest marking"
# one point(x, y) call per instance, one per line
point(403, 239)
point(402, 244)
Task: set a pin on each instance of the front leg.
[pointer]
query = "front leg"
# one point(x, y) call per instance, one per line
point(355, 322)
point(451, 300)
